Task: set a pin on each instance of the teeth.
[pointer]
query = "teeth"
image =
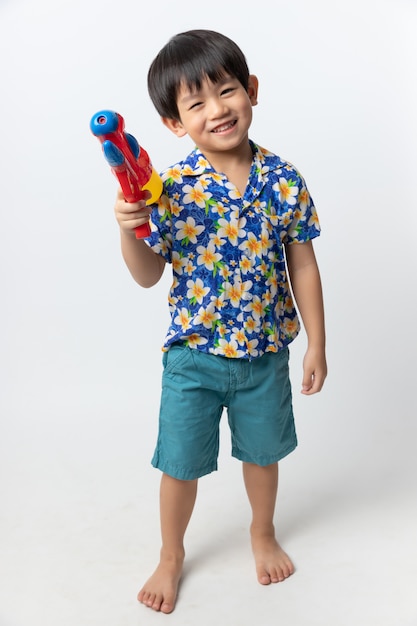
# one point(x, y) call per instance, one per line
point(222, 128)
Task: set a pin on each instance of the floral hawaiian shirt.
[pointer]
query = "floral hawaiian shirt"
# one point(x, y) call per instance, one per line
point(230, 294)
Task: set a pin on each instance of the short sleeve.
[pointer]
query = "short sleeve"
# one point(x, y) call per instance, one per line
point(160, 239)
point(305, 223)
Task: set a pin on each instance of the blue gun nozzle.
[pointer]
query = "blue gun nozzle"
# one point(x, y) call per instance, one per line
point(113, 155)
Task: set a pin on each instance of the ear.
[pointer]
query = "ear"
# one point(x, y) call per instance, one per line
point(253, 85)
point(174, 126)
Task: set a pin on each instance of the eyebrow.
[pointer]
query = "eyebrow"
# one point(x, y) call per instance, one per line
point(195, 94)
point(190, 96)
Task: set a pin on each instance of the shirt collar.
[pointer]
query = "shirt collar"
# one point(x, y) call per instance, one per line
point(264, 161)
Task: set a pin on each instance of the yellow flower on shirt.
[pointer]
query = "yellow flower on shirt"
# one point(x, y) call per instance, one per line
point(188, 231)
point(196, 290)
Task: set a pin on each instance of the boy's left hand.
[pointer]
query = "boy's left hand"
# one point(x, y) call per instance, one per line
point(315, 371)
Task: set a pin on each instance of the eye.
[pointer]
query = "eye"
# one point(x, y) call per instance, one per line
point(227, 90)
point(194, 105)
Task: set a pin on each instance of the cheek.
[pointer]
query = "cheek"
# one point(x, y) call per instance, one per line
point(249, 114)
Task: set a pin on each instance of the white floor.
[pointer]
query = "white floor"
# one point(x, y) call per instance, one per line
point(79, 532)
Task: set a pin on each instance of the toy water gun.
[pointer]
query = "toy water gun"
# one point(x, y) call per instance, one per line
point(128, 161)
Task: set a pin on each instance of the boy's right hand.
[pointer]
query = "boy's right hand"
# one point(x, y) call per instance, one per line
point(130, 215)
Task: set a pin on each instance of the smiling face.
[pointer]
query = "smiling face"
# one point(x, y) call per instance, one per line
point(217, 115)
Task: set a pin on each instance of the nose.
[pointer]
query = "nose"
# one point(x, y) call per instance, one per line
point(218, 108)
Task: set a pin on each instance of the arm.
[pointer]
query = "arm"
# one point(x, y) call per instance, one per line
point(143, 263)
point(306, 285)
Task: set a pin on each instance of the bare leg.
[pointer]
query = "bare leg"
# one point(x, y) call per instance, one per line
point(177, 498)
point(272, 563)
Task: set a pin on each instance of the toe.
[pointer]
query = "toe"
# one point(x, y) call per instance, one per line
point(167, 607)
point(276, 576)
point(156, 603)
point(151, 600)
point(263, 576)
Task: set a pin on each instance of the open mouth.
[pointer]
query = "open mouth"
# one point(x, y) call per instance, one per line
point(224, 127)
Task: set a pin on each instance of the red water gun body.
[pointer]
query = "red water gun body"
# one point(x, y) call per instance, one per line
point(128, 161)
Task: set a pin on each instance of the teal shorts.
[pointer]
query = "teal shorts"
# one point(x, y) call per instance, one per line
point(196, 387)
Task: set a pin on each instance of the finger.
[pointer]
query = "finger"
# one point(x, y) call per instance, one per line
point(308, 390)
point(146, 195)
point(314, 386)
point(133, 209)
point(308, 380)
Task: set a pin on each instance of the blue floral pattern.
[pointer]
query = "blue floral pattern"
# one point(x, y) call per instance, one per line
point(230, 294)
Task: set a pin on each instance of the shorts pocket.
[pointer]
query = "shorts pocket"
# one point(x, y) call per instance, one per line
point(176, 359)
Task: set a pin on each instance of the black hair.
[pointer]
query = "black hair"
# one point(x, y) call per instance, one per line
point(189, 58)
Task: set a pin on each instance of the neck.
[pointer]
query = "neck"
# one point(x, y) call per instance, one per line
point(231, 160)
point(234, 164)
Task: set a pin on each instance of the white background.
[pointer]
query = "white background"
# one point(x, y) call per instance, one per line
point(80, 341)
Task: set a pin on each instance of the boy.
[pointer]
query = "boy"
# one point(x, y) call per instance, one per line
point(228, 212)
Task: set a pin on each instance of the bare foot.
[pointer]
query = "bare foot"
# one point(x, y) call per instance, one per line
point(273, 565)
point(160, 591)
